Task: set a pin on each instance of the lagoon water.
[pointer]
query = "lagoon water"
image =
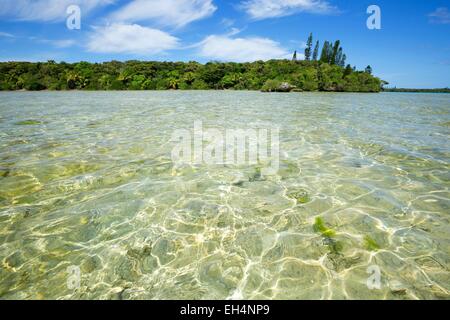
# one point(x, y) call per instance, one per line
point(91, 206)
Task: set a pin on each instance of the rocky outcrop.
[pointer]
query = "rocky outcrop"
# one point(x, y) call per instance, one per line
point(277, 86)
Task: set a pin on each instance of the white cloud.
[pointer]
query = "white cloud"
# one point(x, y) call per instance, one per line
point(262, 9)
point(62, 43)
point(65, 43)
point(6, 35)
point(45, 10)
point(177, 13)
point(226, 48)
point(440, 16)
point(130, 39)
point(226, 22)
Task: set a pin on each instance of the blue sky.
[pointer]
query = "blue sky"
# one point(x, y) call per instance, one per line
point(412, 49)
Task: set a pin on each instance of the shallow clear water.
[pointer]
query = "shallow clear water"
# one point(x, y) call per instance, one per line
point(86, 181)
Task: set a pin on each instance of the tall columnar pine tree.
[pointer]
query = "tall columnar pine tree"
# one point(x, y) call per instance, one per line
point(294, 57)
point(316, 51)
point(324, 54)
point(338, 58)
point(329, 52)
point(344, 58)
point(334, 53)
point(308, 47)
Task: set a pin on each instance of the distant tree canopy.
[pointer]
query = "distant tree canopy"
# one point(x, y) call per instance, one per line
point(436, 90)
point(140, 75)
point(325, 74)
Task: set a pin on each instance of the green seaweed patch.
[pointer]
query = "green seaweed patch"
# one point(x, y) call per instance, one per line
point(335, 247)
point(319, 226)
point(370, 244)
point(28, 123)
point(301, 196)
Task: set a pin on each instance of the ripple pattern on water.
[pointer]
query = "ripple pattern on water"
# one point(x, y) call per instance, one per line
point(86, 180)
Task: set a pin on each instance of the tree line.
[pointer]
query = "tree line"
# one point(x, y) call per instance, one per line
point(434, 90)
point(139, 75)
point(326, 73)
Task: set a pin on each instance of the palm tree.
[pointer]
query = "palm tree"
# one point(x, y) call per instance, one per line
point(73, 80)
point(189, 78)
point(173, 83)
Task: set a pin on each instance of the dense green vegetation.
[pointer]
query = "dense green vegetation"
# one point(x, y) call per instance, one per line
point(136, 75)
point(327, 73)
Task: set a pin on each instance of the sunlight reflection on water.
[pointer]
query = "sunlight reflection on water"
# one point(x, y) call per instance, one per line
point(86, 180)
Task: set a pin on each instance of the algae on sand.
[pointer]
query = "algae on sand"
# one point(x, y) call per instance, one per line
point(28, 122)
point(370, 244)
point(300, 195)
point(319, 226)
